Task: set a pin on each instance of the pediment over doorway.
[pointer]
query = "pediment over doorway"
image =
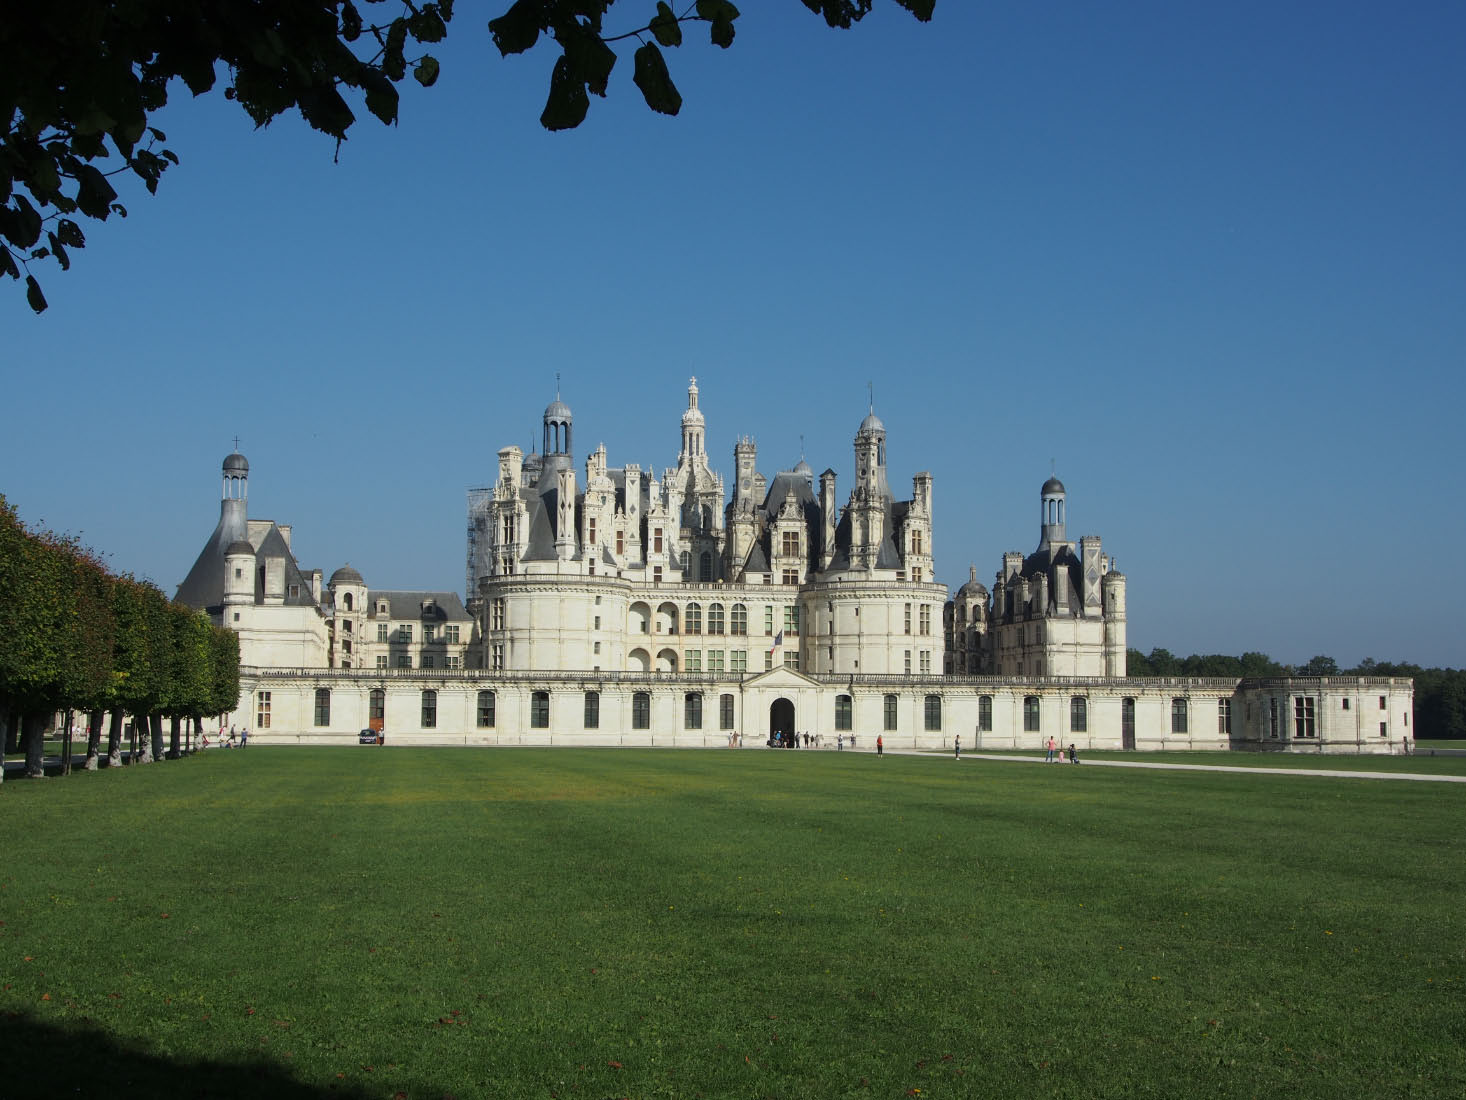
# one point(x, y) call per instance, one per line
point(780, 679)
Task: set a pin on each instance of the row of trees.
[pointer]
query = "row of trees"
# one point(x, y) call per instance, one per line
point(79, 639)
point(1440, 693)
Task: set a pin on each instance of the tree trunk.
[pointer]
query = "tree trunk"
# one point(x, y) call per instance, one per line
point(94, 739)
point(66, 741)
point(114, 739)
point(4, 737)
point(155, 722)
point(33, 733)
point(142, 747)
point(174, 737)
point(12, 735)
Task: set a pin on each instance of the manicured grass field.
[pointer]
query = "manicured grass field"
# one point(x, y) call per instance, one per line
point(1420, 763)
point(627, 923)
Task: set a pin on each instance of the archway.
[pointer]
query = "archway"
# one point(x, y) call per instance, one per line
point(781, 719)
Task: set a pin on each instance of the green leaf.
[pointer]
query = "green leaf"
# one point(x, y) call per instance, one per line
point(568, 102)
point(33, 294)
point(381, 96)
point(922, 9)
point(591, 60)
point(519, 28)
point(427, 25)
point(394, 64)
point(59, 252)
point(70, 234)
point(350, 22)
point(720, 13)
point(655, 82)
point(7, 263)
point(722, 33)
point(426, 71)
point(94, 194)
point(24, 224)
point(665, 27)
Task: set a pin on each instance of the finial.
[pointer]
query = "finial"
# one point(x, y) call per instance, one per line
point(801, 446)
point(236, 443)
point(871, 391)
point(557, 385)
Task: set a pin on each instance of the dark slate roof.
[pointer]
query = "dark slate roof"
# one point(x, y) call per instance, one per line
point(273, 545)
point(447, 607)
point(236, 463)
point(345, 575)
point(203, 588)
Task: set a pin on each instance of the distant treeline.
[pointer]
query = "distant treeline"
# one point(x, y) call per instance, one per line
point(1440, 693)
point(76, 638)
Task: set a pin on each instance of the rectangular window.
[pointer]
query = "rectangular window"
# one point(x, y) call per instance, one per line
point(620, 543)
point(592, 710)
point(262, 710)
point(377, 708)
point(715, 660)
point(907, 660)
point(404, 660)
point(381, 660)
point(916, 576)
point(429, 710)
point(694, 660)
point(381, 632)
point(641, 711)
point(916, 542)
point(591, 533)
point(404, 633)
point(1078, 714)
point(1381, 702)
point(692, 710)
point(725, 712)
point(1224, 716)
point(768, 659)
point(791, 576)
point(598, 622)
point(450, 635)
point(790, 543)
point(791, 619)
point(769, 619)
point(739, 659)
point(597, 647)
point(890, 711)
point(656, 574)
point(1384, 729)
point(908, 618)
point(539, 710)
point(453, 660)
point(791, 659)
point(1030, 714)
point(1303, 717)
point(496, 656)
point(985, 713)
point(427, 660)
point(932, 713)
point(428, 632)
point(496, 614)
point(657, 540)
point(1272, 717)
point(926, 661)
point(844, 713)
point(486, 710)
point(1178, 715)
point(926, 618)
point(1346, 704)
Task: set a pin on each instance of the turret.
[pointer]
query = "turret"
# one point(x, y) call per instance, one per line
point(828, 517)
point(233, 507)
point(693, 429)
point(1052, 530)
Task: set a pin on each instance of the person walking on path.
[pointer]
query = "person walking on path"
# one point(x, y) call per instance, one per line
point(880, 746)
point(244, 737)
point(1049, 757)
point(957, 747)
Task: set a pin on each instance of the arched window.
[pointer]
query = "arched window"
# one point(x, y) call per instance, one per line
point(592, 710)
point(1178, 715)
point(429, 709)
point(692, 710)
point(715, 618)
point(889, 708)
point(692, 619)
point(1078, 714)
point(844, 713)
point(933, 712)
point(323, 706)
point(486, 710)
point(346, 600)
point(985, 713)
point(539, 710)
point(378, 705)
point(740, 619)
point(1030, 714)
point(641, 711)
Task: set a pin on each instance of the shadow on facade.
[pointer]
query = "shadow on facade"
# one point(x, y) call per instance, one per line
point(45, 1060)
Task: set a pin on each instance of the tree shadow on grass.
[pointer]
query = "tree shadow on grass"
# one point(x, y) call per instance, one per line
point(40, 1059)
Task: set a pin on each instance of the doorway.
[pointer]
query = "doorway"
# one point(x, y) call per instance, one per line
point(781, 720)
point(1127, 723)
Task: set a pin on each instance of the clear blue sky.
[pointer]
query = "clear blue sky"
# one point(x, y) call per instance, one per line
point(1208, 260)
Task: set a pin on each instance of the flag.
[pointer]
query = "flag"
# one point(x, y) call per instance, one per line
point(778, 641)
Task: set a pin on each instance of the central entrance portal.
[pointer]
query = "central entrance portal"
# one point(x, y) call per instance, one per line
point(781, 719)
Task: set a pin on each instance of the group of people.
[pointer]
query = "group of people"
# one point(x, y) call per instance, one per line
point(805, 740)
point(1056, 753)
point(228, 741)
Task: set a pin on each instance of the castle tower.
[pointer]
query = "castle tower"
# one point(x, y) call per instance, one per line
point(557, 427)
point(1052, 529)
point(693, 429)
point(233, 523)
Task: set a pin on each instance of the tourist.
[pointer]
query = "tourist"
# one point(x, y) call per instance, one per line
point(839, 742)
point(880, 745)
point(957, 747)
point(1049, 757)
point(1073, 756)
point(244, 737)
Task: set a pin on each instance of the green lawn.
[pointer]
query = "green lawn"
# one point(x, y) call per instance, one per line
point(1421, 763)
point(624, 923)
